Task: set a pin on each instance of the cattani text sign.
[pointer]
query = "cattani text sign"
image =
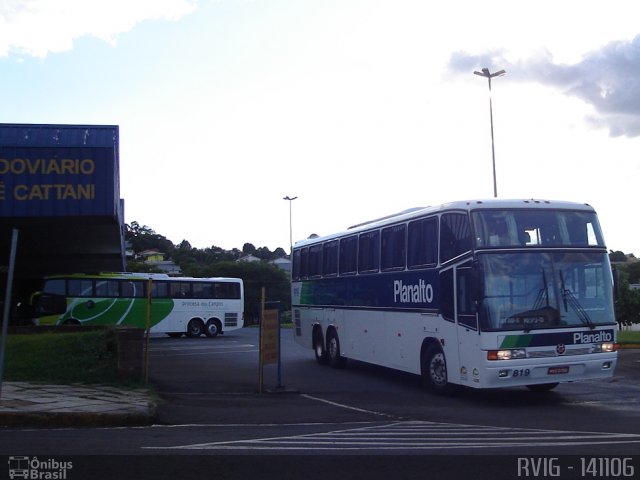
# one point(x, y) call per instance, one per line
point(58, 170)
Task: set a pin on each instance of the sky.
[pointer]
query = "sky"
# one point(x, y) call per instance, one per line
point(359, 108)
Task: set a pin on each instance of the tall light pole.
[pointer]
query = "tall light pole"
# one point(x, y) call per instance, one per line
point(290, 224)
point(488, 75)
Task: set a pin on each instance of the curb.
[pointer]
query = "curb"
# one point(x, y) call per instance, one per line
point(76, 419)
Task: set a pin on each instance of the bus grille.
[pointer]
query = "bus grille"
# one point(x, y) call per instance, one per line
point(553, 353)
point(231, 319)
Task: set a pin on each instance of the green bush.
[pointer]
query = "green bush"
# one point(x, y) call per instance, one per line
point(74, 357)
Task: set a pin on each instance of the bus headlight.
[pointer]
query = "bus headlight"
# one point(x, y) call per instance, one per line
point(506, 354)
point(605, 347)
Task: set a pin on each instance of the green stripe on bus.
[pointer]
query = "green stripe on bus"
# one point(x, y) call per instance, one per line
point(516, 341)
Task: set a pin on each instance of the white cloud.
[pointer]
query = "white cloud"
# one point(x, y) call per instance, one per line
point(40, 27)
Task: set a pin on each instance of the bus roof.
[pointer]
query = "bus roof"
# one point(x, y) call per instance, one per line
point(466, 205)
point(143, 276)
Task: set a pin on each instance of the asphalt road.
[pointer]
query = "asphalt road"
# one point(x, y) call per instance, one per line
point(215, 381)
point(361, 418)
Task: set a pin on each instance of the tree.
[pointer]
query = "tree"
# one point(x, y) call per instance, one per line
point(617, 256)
point(248, 249)
point(144, 238)
point(627, 306)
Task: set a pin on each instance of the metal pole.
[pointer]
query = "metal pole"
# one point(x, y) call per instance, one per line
point(290, 223)
point(493, 148)
point(7, 303)
point(488, 75)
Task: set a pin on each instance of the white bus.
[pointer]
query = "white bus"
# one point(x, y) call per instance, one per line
point(179, 305)
point(483, 293)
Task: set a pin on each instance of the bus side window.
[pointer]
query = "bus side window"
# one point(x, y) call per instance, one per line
point(107, 288)
point(330, 258)
point(160, 290)
point(455, 235)
point(464, 295)
point(446, 295)
point(132, 289)
point(423, 243)
point(295, 273)
point(315, 261)
point(198, 288)
point(79, 287)
point(304, 263)
point(393, 247)
point(203, 290)
point(55, 287)
point(369, 252)
point(348, 255)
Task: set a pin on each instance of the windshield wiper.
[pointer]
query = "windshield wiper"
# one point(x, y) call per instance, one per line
point(569, 298)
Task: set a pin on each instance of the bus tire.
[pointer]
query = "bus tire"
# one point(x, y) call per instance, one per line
point(319, 347)
point(336, 360)
point(434, 370)
point(195, 328)
point(213, 328)
point(542, 387)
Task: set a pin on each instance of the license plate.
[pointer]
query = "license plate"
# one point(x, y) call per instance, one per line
point(558, 370)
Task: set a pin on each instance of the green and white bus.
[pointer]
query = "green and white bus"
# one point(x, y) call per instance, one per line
point(482, 293)
point(178, 305)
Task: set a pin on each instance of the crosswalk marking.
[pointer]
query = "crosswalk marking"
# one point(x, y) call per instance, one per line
point(418, 435)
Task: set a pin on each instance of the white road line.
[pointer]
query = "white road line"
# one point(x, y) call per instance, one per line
point(348, 407)
point(186, 354)
point(417, 436)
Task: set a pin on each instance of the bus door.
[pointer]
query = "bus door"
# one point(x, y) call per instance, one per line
point(467, 324)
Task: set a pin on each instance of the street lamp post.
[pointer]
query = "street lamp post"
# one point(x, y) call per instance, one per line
point(488, 75)
point(290, 224)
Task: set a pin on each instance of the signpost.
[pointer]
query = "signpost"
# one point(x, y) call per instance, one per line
point(269, 340)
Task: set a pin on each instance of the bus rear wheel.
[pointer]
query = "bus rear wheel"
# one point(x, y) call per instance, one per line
point(213, 328)
point(434, 370)
point(195, 328)
point(336, 360)
point(319, 347)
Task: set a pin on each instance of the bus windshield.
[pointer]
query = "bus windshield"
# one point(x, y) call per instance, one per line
point(535, 228)
point(534, 290)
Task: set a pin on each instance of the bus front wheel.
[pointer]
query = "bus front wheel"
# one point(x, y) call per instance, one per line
point(194, 328)
point(434, 370)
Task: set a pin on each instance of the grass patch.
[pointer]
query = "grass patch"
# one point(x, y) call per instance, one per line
point(628, 336)
point(62, 358)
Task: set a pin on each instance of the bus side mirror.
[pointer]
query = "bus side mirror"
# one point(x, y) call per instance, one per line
point(477, 283)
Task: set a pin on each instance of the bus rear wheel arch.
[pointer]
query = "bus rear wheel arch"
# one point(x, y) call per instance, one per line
point(213, 328)
point(195, 328)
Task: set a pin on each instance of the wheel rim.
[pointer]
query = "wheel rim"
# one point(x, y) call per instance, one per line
point(213, 328)
point(194, 328)
point(438, 369)
point(319, 347)
point(333, 348)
